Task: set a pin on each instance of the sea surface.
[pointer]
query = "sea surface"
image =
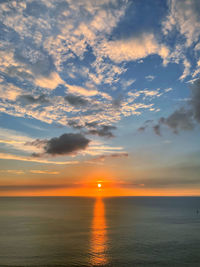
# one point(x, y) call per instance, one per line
point(124, 231)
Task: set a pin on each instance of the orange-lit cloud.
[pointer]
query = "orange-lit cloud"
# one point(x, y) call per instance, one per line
point(134, 49)
point(50, 82)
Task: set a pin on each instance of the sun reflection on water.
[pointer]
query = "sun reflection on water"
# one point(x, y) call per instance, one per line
point(99, 235)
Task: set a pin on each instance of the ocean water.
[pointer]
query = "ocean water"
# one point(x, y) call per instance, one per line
point(72, 231)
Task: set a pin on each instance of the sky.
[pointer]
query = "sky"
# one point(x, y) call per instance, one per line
point(99, 91)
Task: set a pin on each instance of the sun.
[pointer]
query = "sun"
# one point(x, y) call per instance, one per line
point(99, 185)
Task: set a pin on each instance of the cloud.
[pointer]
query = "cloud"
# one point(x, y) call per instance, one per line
point(196, 71)
point(16, 140)
point(186, 71)
point(104, 131)
point(43, 172)
point(37, 143)
point(49, 82)
point(18, 172)
point(127, 83)
point(66, 144)
point(195, 100)
point(150, 78)
point(74, 124)
point(29, 99)
point(142, 129)
point(35, 187)
point(58, 49)
point(150, 93)
point(81, 90)
point(7, 156)
point(91, 124)
point(168, 90)
point(180, 119)
point(134, 49)
point(145, 126)
point(88, 92)
point(9, 91)
point(184, 16)
point(114, 155)
point(183, 118)
point(156, 129)
point(76, 100)
point(117, 102)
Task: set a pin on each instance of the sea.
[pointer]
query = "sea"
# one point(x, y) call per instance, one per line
point(115, 231)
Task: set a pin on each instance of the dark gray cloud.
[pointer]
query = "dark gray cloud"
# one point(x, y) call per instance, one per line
point(64, 145)
point(145, 126)
point(37, 143)
point(117, 102)
point(29, 99)
point(195, 101)
point(156, 129)
point(91, 124)
point(76, 101)
point(74, 124)
point(104, 131)
point(183, 118)
point(93, 128)
point(142, 128)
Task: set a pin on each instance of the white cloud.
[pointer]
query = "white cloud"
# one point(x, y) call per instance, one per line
point(151, 93)
point(150, 77)
point(127, 83)
point(168, 90)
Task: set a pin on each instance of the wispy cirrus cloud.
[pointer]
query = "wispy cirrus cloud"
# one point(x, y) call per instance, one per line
point(111, 156)
point(44, 172)
point(7, 156)
point(16, 172)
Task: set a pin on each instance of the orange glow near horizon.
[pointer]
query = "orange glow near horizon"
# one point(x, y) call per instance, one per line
point(90, 188)
point(99, 235)
point(108, 191)
point(86, 185)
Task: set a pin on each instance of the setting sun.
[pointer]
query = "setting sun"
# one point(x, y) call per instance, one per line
point(99, 185)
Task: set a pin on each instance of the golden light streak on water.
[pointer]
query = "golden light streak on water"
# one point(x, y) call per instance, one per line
point(99, 235)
